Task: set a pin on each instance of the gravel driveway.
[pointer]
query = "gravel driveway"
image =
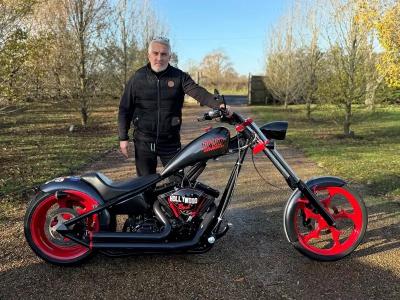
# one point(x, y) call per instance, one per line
point(253, 260)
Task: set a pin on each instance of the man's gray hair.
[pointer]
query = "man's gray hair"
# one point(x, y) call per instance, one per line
point(160, 40)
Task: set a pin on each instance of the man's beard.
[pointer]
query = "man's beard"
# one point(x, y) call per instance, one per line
point(159, 68)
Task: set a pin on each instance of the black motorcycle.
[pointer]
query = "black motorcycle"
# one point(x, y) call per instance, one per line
point(71, 217)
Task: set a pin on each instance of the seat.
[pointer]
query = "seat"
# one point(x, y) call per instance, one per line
point(109, 189)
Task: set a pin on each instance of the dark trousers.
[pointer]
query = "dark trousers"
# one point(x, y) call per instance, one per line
point(146, 154)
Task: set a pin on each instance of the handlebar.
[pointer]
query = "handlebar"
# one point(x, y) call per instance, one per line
point(212, 114)
point(220, 112)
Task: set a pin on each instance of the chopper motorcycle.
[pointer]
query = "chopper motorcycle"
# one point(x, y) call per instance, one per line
point(69, 218)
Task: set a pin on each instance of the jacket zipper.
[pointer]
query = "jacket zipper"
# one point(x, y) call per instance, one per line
point(158, 108)
point(158, 112)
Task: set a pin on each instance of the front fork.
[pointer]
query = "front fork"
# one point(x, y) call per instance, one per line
point(295, 182)
point(290, 176)
point(286, 171)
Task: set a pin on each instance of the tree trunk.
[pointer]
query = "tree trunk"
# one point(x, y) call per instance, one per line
point(286, 102)
point(84, 116)
point(370, 99)
point(370, 94)
point(10, 93)
point(308, 109)
point(82, 75)
point(125, 49)
point(58, 84)
point(347, 119)
point(37, 88)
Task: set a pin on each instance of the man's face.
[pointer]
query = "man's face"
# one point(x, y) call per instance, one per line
point(159, 57)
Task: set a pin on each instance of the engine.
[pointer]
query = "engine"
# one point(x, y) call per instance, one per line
point(185, 207)
point(189, 203)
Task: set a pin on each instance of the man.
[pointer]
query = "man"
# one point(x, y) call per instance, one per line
point(153, 99)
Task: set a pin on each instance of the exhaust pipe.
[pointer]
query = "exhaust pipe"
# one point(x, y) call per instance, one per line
point(160, 246)
point(110, 237)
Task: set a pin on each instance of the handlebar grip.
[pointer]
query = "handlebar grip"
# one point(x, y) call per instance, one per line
point(217, 113)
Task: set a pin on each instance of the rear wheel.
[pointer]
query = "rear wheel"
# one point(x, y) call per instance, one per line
point(312, 236)
point(43, 216)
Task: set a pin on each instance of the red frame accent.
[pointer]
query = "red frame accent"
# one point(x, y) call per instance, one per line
point(260, 146)
point(242, 126)
point(38, 221)
point(90, 240)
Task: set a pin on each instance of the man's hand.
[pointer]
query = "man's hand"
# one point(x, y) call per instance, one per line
point(124, 145)
point(227, 110)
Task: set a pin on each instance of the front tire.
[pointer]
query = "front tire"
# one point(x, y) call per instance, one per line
point(313, 237)
point(44, 213)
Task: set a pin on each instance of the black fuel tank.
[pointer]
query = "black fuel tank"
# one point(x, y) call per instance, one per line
point(212, 144)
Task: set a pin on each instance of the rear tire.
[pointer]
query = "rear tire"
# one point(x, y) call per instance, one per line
point(313, 237)
point(44, 213)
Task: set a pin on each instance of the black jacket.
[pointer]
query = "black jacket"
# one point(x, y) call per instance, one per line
point(154, 102)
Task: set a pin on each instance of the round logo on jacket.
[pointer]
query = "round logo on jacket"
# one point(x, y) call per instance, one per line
point(170, 83)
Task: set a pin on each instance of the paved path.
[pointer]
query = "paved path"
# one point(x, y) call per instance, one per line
point(253, 261)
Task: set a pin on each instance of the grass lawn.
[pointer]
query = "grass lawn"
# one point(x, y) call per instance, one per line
point(36, 144)
point(371, 158)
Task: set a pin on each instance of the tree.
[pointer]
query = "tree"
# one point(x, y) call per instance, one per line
point(382, 16)
point(119, 57)
point(370, 15)
point(12, 15)
point(37, 67)
point(150, 26)
point(282, 64)
point(53, 59)
point(216, 71)
point(12, 58)
point(134, 25)
point(310, 61)
point(73, 31)
point(374, 78)
point(13, 48)
point(214, 66)
point(389, 37)
point(86, 20)
point(348, 40)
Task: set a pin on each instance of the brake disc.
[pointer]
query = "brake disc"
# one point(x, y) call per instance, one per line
point(53, 220)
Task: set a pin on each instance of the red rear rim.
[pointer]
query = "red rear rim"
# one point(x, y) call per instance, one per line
point(315, 235)
point(49, 213)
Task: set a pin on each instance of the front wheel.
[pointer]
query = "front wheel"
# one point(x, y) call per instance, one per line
point(313, 237)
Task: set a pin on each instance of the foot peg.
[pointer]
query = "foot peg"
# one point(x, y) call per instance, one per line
point(223, 231)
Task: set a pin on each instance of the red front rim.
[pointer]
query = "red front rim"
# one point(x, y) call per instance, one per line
point(315, 235)
point(42, 221)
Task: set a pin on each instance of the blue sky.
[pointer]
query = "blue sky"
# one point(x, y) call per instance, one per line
point(237, 27)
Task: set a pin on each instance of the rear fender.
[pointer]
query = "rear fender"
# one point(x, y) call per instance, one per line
point(322, 181)
point(75, 183)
